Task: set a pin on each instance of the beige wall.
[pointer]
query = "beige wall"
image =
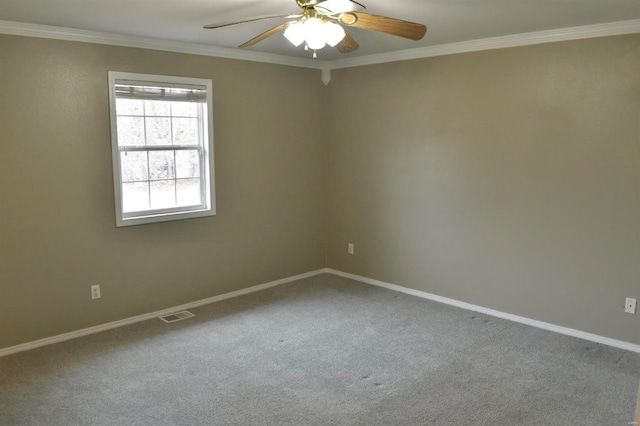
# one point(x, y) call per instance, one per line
point(509, 179)
point(57, 225)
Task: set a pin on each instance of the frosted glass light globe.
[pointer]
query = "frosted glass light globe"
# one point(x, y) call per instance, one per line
point(333, 33)
point(315, 36)
point(295, 33)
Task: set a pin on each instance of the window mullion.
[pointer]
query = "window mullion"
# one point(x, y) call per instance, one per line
point(201, 153)
point(144, 120)
point(175, 167)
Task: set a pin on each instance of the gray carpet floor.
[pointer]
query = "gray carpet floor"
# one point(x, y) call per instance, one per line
point(322, 351)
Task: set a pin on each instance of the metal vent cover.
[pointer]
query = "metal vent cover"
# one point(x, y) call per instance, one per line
point(178, 316)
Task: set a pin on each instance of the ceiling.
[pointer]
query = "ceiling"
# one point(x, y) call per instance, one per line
point(448, 21)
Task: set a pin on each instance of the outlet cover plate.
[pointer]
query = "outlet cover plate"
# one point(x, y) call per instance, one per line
point(95, 292)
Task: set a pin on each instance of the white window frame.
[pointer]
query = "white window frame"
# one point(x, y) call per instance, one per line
point(207, 181)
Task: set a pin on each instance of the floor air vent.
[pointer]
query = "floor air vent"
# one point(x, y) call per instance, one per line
point(178, 316)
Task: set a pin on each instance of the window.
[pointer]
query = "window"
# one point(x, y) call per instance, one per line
point(162, 147)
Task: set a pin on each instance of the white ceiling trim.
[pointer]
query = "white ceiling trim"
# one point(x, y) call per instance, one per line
point(70, 34)
point(525, 39)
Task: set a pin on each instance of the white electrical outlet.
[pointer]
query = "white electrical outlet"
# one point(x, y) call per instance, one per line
point(95, 291)
point(350, 248)
point(630, 305)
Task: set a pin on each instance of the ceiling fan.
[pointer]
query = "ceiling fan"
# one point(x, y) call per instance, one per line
point(322, 23)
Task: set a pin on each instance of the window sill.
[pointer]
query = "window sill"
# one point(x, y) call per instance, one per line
point(164, 217)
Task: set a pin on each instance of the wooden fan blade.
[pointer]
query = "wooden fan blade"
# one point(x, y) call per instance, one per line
point(258, 18)
point(268, 33)
point(347, 45)
point(384, 24)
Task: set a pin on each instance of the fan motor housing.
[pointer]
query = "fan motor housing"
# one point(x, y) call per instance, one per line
point(308, 3)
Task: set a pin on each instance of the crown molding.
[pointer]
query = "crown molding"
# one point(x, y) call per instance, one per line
point(524, 39)
point(70, 34)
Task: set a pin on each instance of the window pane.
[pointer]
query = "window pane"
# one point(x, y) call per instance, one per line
point(158, 131)
point(185, 131)
point(135, 196)
point(130, 131)
point(188, 192)
point(156, 108)
point(163, 194)
point(161, 165)
point(187, 164)
point(129, 107)
point(184, 109)
point(134, 166)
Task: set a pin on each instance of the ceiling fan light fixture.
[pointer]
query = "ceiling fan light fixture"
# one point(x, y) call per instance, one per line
point(315, 32)
point(321, 22)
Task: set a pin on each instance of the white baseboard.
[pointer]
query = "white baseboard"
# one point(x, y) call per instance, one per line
point(120, 323)
point(468, 306)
